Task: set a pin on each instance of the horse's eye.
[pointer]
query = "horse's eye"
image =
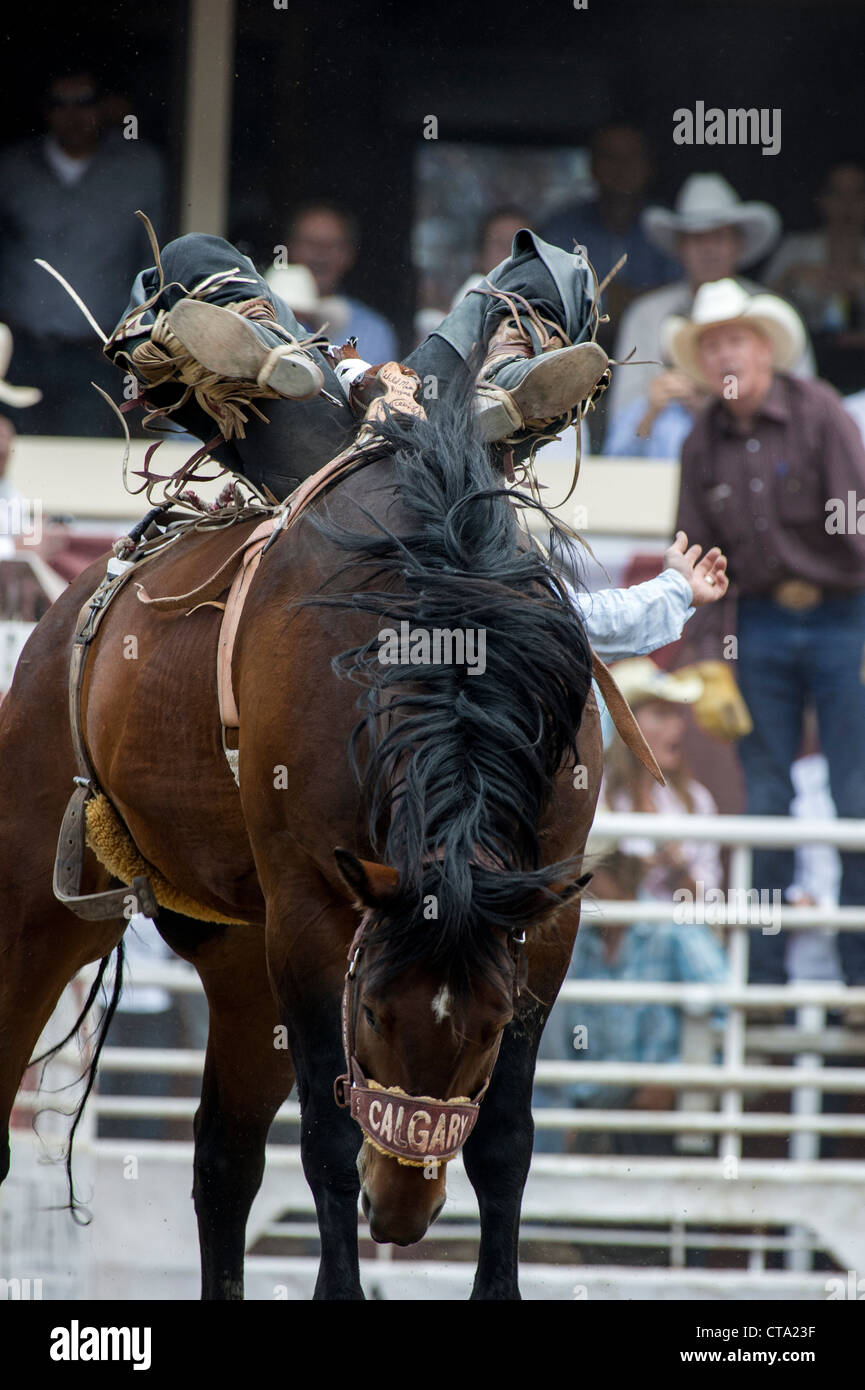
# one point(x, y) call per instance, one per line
point(369, 1016)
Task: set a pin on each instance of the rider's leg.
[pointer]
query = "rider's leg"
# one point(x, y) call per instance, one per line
point(182, 326)
point(541, 299)
point(534, 328)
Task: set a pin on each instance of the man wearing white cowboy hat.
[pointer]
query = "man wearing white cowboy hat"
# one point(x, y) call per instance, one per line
point(712, 233)
point(765, 470)
point(295, 286)
point(16, 396)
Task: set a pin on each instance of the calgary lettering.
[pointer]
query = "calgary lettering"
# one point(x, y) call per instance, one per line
point(416, 1135)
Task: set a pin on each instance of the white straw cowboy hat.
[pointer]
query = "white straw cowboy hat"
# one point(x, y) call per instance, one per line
point(640, 680)
point(725, 301)
point(18, 396)
point(295, 285)
point(705, 203)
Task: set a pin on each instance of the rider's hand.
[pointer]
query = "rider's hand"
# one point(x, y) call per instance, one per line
point(707, 577)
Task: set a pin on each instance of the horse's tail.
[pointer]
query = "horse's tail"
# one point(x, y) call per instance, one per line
point(89, 1074)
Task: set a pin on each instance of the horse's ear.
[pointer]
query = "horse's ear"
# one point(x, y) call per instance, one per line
point(371, 885)
point(564, 892)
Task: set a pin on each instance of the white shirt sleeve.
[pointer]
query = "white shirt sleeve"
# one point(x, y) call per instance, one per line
point(632, 622)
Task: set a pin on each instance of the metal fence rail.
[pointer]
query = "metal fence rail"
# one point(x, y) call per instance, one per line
point(824, 1196)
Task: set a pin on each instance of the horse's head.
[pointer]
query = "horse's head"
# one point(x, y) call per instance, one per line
point(421, 1044)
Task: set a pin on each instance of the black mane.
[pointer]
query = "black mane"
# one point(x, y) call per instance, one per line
point(461, 766)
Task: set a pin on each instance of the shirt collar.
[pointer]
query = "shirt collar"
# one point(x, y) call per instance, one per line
point(775, 406)
point(67, 168)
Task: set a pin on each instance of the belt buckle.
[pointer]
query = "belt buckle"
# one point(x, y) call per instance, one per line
point(798, 595)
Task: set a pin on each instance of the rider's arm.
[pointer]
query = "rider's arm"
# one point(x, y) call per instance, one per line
point(632, 622)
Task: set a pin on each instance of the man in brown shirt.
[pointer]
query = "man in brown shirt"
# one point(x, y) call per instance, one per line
point(773, 471)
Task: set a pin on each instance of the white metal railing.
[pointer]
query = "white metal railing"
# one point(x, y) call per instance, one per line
point(734, 1074)
point(696, 1082)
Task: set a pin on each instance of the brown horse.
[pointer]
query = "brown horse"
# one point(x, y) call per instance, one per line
point(452, 799)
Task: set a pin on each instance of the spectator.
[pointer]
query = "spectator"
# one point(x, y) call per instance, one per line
point(656, 425)
point(712, 233)
point(622, 1032)
point(640, 869)
point(18, 397)
point(813, 955)
point(493, 244)
point(855, 407)
point(609, 226)
point(295, 286)
point(69, 197)
point(823, 274)
point(762, 467)
point(657, 698)
point(324, 238)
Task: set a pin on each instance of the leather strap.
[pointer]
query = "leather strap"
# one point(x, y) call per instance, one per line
point(234, 605)
point(623, 717)
point(72, 840)
point(254, 548)
point(203, 593)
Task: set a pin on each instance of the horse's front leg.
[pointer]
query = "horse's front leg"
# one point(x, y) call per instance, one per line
point(497, 1156)
point(309, 999)
point(329, 1143)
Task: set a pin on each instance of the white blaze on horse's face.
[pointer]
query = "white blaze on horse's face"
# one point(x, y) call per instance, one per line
point(441, 1004)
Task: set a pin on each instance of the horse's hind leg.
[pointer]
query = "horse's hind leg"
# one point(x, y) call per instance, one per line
point(42, 946)
point(247, 1076)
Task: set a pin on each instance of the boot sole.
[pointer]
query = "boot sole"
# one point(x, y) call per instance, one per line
point(557, 381)
point(225, 343)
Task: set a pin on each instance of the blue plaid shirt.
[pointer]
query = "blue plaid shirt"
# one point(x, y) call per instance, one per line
point(668, 952)
point(633, 621)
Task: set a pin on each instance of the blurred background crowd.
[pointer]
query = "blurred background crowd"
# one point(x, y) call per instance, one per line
point(360, 256)
point(68, 194)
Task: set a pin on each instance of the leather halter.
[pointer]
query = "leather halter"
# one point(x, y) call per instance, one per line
point(415, 1130)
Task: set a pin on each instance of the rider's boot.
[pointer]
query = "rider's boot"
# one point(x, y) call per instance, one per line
point(227, 356)
point(530, 379)
point(533, 318)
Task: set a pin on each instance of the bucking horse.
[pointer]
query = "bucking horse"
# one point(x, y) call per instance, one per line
point(393, 875)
